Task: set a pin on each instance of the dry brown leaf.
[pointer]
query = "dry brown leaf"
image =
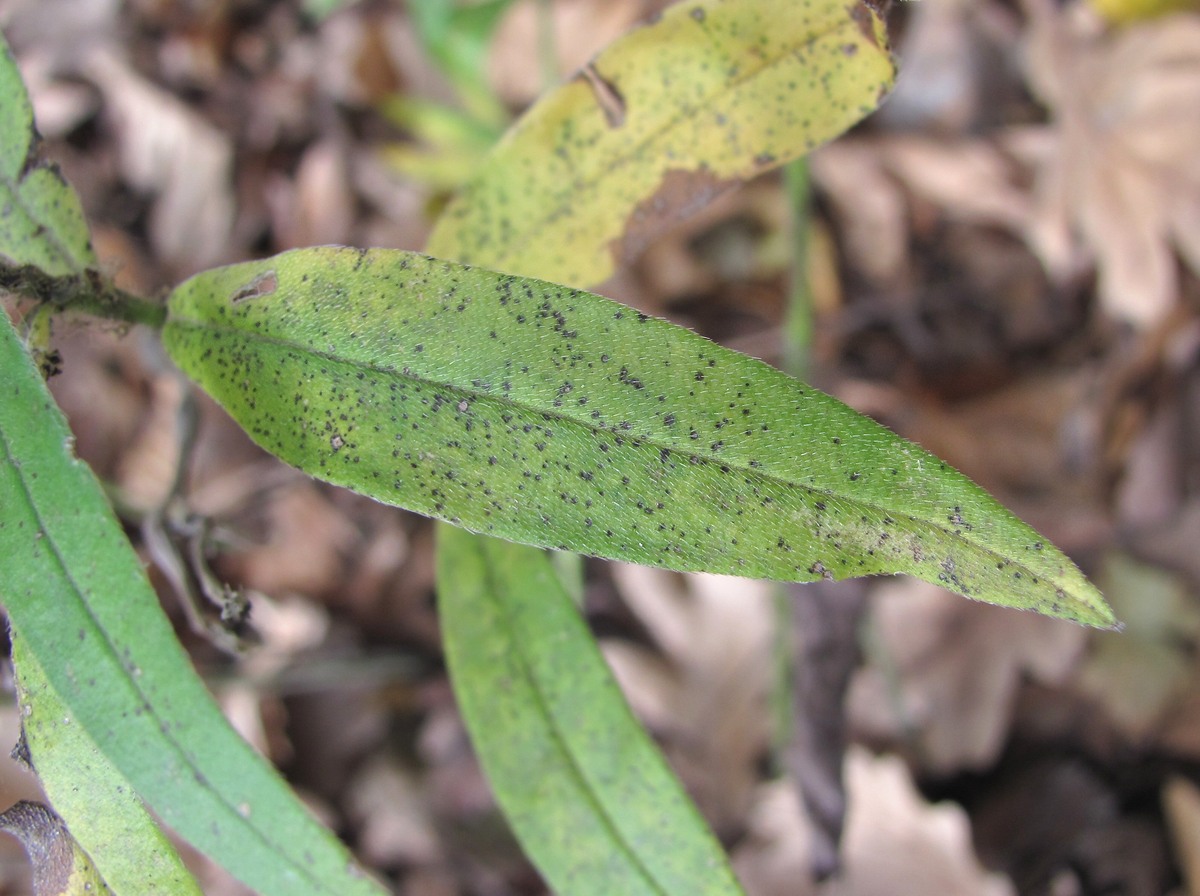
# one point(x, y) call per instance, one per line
point(944, 673)
point(869, 206)
point(317, 207)
point(1122, 181)
point(772, 858)
point(168, 150)
point(1141, 675)
point(1181, 800)
point(309, 536)
point(707, 691)
point(897, 844)
point(968, 180)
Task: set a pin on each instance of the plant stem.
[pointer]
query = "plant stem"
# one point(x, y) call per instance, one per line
point(798, 322)
point(797, 342)
point(88, 292)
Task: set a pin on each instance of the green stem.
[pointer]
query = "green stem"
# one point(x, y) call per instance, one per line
point(798, 323)
point(88, 292)
point(797, 343)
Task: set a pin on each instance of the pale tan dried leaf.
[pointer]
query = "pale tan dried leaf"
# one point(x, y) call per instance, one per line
point(1181, 800)
point(869, 206)
point(945, 673)
point(168, 150)
point(1124, 178)
point(968, 180)
point(772, 858)
point(1141, 676)
point(148, 466)
point(386, 804)
point(939, 88)
point(708, 692)
point(317, 207)
point(896, 844)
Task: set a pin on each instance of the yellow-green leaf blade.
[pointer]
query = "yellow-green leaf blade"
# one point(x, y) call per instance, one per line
point(558, 418)
point(712, 92)
point(584, 787)
point(41, 220)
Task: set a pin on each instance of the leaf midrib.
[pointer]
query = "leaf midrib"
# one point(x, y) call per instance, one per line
point(757, 472)
point(576, 770)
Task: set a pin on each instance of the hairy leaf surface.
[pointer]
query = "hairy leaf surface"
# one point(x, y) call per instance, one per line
point(554, 417)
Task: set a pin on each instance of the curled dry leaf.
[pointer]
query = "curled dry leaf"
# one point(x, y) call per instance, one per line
point(1121, 183)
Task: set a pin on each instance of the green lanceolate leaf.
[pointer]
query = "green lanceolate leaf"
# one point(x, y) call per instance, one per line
point(78, 597)
point(713, 92)
point(586, 791)
point(108, 819)
point(41, 221)
point(558, 418)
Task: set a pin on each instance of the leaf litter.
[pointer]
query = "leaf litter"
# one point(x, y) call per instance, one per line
point(1028, 386)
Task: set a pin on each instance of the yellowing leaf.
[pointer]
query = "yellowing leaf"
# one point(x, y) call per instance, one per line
point(712, 92)
point(1132, 10)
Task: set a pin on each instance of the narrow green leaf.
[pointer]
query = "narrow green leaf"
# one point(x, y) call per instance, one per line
point(60, 866)
point(41, 220)
point(586, 791)
point(77, 595)
point(557, 418)
point(677, 111)
point(107, 819)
